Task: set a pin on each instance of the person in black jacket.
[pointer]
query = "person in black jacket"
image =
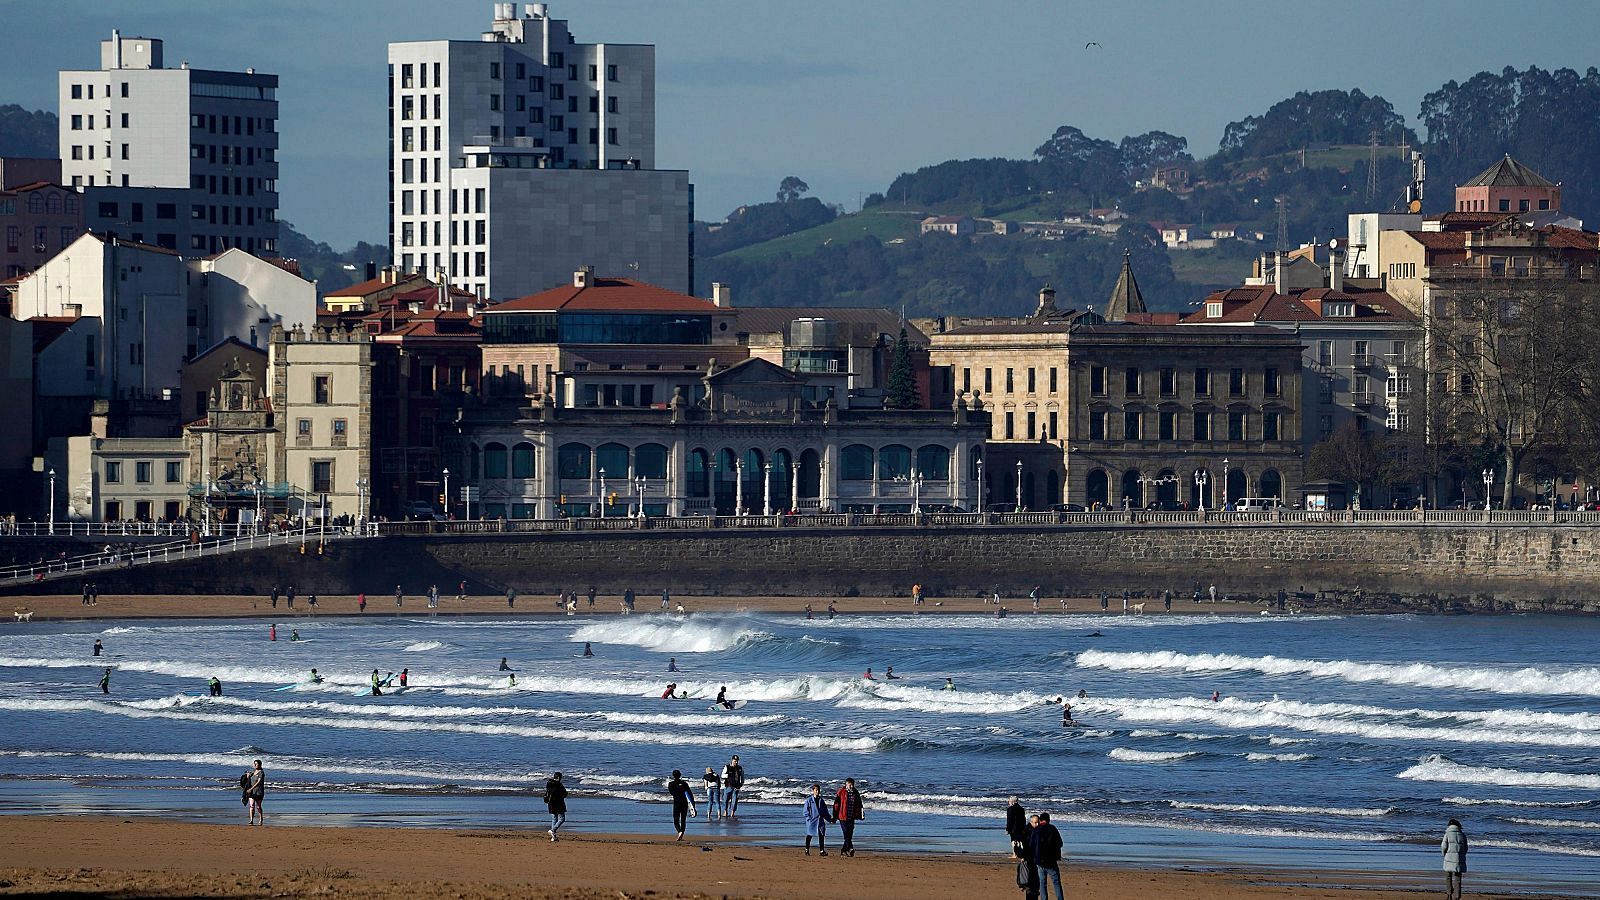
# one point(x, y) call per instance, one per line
point(1044, 845)
point(1027, 872)
point(555, 800)
point(1017, 826)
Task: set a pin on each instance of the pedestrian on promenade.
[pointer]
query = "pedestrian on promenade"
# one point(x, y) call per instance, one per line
point(1033, 595)
point(94, 593)
point(555, 800)
point(1453, 847)
point(847, 811)
point(1213, 593)
point(461, 592)
point(311, 601)
point(1016, 826)
point(666, 600)
point(732, 784)
point(86, 593)
point(288, 596)
point(1105, 601)
point(591, 596)
point(1045, 844)
point(682, 803)
point(817, 819)
point(713, 787)
point(256, 793)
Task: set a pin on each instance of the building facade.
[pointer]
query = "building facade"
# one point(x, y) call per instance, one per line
point(125, 479)
point(321, 393)
point(520, 156)
point(38, 217)
point(179, 158)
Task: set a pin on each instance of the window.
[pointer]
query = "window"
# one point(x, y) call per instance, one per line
point(77, 123)
point(1168, 425)
point(1131, 382)
point(1505, 205)
point(494, 102)
point(1097, 380)
point(1325, 424)
point(1033, 424)
point(1052, 379)
point(1269, 426)
point(1214, 309)
point(855, 463)
point(611, 73)
point(141, 472)
point(174, 472)
point(1270, 381)
point(1054, 421)
point(77, 92)
point(1202, 382)
point(1011, 425)
point(966, 381)
point(113, 510)
point(1097, 424)
point(113, 472)
point(1169, 382)
point(1522, 206)
point(988, 381)
point(1236, 425)
point(1236, 382)
point(1324, 353)
point(1010, 381)
point(1325, 389)
point(611, 136)
point(1398, 350)
point(494, 70)
point(302, 428)
point(340, 429)
point(1202, 426)
point(1130, 426)
point(1031, 386)
point(611, 104)
point(321, 476)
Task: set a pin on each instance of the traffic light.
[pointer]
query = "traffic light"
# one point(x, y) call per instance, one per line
point(563, 499)
point(612, 500)
point(443, 500)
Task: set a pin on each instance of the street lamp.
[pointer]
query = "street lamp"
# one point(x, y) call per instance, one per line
point(447, 493)
point(1226, 471)
point(738, 486)
point(602, 492)
point(916, 492)
point(766, 490)
point(1201, 479)
point(52, 500)
point(361, 503)
point(640, 483)
point(983, 486)
point(1488, 485)
point(1019, 487)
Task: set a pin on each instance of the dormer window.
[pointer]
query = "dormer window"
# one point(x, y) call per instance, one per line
point(1214, 309)
point(1339, 310)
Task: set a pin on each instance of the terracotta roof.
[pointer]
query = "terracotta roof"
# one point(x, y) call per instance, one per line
point(46, 329)
point(1260, 303)
point(1508, 173)
point(1456, 220)
point(1573, 239)
point(1440, 240)
point(34, 186)
point(430, 293)
point(610, 295)
point(374, 285)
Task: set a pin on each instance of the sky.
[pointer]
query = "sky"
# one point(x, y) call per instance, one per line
point(846, 94)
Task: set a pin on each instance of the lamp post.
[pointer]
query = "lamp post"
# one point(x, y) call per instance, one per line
point(361, 503)
point(52, 500)
point(1201, 479)
point(738, 486)
point(916, 492)
point(1488, 485)
point(602, 492)
point(640, 483)
point(447, 493)
point(983, 486)
point(766, 489)
point(794, 485)
point(1226, 470)
point(1019, 487)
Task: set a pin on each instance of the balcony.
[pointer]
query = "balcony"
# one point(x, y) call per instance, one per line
point(1361, 360)
point(1361, 398)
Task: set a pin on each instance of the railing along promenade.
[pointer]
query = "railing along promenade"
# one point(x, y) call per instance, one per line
point(192, 547)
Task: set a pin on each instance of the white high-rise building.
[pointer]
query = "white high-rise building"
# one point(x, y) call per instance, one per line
point(517, 158)
point(180, 158)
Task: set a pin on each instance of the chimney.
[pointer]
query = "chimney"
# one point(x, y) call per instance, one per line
point(721, 295)
point(372, 270)
point(390, 274)
point(72, 310)
point(1277, 271)
point(583, 277)
point(1336, 267)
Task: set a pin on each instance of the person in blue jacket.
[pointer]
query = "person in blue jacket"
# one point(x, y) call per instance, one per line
point(817, 819)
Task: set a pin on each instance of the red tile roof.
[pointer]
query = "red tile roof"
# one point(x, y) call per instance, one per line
point(1260, 303)
point(374, 285)
point(608, 295)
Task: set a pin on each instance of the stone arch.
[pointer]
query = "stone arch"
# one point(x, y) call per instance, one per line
point(494, 460)
point(1097, 488)
point(650, 461)
point(573, 460)
point(1132, 490)
point(522, 460)
point(1271, 484)
point(933, 462)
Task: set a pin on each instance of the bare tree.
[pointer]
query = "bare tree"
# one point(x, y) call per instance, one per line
point(1514, 360)
point(1346, 456)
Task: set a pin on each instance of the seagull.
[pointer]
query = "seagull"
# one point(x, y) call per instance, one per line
point(1091, 44)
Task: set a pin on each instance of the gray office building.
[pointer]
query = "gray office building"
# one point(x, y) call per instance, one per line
point(519, 157)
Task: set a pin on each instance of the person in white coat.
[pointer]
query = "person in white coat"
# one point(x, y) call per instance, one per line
point(1453, 848)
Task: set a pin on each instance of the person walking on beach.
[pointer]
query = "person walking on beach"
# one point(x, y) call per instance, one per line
point(817, 819)
point(591, 596)
point(105, 681)
point(1454, 850)
point(666, 600)
point(256, 794)
point(1213, 593)
point(1045, 846)
point(361, 602)
point(1105, 601)
point(1033, 596)
point(682, 803)
point(732, 784)
point(847, 811)
point(1016, 826)
point(1027, 872)
point(274, 596)
point(555, 800)
point(399, 597)
point(98, 647)
point(288, 596)
point(713, 788)
point(511, 598)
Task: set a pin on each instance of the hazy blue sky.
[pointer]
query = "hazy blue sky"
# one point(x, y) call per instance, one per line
point(844, 93)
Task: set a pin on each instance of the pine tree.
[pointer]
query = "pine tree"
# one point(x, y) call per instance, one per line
point(902, 383)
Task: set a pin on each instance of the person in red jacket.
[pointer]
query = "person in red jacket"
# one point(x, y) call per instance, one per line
point(847, 811)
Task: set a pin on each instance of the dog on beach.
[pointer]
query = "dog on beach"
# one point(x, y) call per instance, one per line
point(22, 614)
point(1137, 608)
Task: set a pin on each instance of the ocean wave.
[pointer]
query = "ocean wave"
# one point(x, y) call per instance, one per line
point(1276, 741)
point(1150, 756)
point(1580, 682)
point(1520, 727)
point(1546, 804)
point(700, 634)
point(1441, 768)
point(422, 646)
point(1279, 757)
point(241, 760)
point(1355, 812)
point(816, 742)
point(884, 695)
point(1554, 823)
point(409, 711)
point(1563, 849)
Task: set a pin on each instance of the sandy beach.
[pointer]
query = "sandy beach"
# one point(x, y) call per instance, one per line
point(110, 857)
point(134, 606)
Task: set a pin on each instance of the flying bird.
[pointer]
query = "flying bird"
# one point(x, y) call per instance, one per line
point(1091, 44)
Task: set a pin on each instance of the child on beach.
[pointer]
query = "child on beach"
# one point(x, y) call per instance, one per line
point(817, 819)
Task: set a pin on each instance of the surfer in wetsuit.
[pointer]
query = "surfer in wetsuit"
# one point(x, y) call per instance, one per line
point(294, 635)
point(671, 693)
point(377, 690)
point(504, 666)
point(1066, 715)
point(1216, 696)
point(672, 664)
point(315, 678)
point(216, 687)
point(868, 676)
point(404, 675)
point(722, 698)
point(587, 650)
point(949, 684)
point(105, 681)
point(1082, 693)
point(98, 648)
point(889, 674)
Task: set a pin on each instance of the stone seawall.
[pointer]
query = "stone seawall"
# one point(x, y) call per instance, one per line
point(1432, 567)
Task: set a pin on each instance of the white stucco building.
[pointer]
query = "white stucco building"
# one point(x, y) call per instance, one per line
point(180, 158)
point(518, 157)
point(238, 295)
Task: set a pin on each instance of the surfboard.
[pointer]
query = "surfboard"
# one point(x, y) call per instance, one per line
point(737, 704)
point(290, 687)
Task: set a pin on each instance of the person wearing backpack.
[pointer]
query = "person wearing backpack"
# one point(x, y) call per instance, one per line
point(1044, 845)
point(847, 811)
point(1027, 872)
point(555, 800)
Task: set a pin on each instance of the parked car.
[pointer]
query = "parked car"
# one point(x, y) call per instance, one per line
point(1257, 504)
point(422, 511)
point(1068, 507)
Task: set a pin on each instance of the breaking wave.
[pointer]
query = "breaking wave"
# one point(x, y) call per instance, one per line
point(670, 635)
point(1441, 768)
point(1151, 756)
point(1355, 812)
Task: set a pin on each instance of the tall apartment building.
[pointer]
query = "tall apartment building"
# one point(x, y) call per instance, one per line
point(522, 156)
point(180, 158)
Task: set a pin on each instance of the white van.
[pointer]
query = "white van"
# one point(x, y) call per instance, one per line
point(1257, 504)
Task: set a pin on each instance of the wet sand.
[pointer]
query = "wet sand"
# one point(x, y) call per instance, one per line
point(110, 857)
point(134, 606)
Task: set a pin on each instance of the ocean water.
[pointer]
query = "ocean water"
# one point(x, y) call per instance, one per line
point(1341, 743)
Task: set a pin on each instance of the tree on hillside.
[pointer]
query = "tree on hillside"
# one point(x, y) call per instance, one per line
point(1346, 456)
point(902, 388)
point(1072, 159)
point(1153, 148)
point(1315, 117)
point(790, 189)
point(1545, 119)
point(27, 132)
